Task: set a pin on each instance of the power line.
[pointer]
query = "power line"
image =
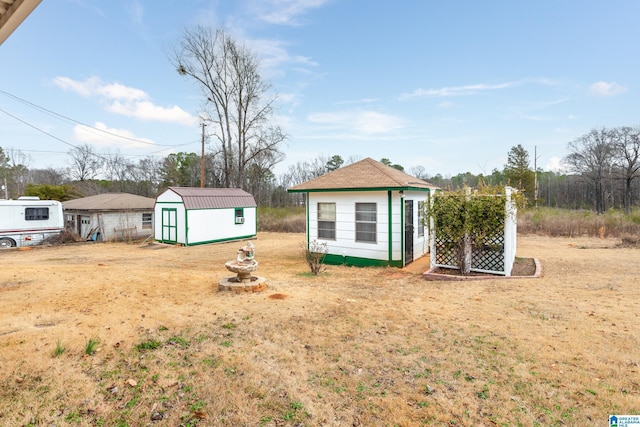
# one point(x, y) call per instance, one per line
point(75, 146)
point(37, 128)
point(69, 119)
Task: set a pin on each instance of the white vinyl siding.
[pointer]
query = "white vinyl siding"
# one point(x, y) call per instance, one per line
point(366, 222)
point(389, 237)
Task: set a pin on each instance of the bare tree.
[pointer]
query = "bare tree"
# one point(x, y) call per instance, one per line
point(117, 169)
point(147, 176)
point(17, 174)
point(85, 164)
point(228, 75)
point(48, 176)
point(419, 172)
point(627, 160)
point(591, 156)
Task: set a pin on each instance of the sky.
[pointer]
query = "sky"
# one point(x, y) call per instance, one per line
point(450, 86)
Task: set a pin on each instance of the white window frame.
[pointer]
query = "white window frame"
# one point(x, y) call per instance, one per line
point(327, 216)
point(364, 219)
point(147, 220)
point(421, 227)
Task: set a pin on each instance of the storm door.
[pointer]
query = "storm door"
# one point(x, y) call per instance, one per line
point(408, 231)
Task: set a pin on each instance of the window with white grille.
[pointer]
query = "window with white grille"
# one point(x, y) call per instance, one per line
point(366, 222)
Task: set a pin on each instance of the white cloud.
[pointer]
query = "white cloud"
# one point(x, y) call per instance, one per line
point(459, 90)
point(285, 12)
point(555, 164)
point(364, 123)
point(125, 100)
point(146, 110)
point(274, 54)
point(607, 88)
point(101, 134)
point(118, 91)
point(85, 88)
point(359, 101)
point(473, 89)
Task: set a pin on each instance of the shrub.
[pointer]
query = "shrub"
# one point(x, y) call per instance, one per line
point(314, 254)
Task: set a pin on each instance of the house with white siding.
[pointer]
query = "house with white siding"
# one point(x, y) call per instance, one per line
point(367, 214)
point(194, 216)
point(110, 216)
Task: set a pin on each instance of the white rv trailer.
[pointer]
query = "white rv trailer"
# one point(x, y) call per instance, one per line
point(28, 221)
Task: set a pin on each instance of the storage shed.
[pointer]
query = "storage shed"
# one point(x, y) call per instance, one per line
point(368, 214)
point(110, 216)
point(194, 216)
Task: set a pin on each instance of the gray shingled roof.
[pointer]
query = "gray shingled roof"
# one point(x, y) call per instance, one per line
point(362, 175)
point(111, 202)
point(214, 198)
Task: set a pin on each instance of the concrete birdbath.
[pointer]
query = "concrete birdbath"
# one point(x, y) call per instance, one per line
point(243, 266)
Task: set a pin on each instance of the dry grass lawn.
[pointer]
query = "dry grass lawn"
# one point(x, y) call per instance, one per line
point(352, 347)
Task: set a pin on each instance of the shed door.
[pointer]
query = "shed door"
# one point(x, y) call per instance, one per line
point(169, 225)
point(84, 226)
point(408, 231)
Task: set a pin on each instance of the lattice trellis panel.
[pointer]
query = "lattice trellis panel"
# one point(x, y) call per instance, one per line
point(490, 258)
point(444, 257)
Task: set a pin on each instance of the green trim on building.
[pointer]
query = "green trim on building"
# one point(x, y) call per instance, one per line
point(333, 259)
point(390, 225)
point(306, 202)
point(229, 239)
point(343, 190)
point(168, 227)
point(186, 227)
point(235, 215)
point(402, 255)
point(256, 225)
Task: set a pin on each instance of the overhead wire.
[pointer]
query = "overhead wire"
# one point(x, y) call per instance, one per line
point(92, 128)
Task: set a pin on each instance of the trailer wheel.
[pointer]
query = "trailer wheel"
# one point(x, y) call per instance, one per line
point(6, 243)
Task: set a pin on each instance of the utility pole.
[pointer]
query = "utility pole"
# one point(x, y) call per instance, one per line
point(535, 176)
point(202, 159)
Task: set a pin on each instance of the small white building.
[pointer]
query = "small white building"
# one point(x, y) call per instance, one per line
point(368, 214)
point(194, 216)
point(110, 216)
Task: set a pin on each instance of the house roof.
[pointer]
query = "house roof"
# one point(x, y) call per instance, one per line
point(367, 174)
point(214, 198)
point(12, 13)
point(111, 202)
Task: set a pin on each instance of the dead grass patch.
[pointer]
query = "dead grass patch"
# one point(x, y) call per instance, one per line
point(357, 346)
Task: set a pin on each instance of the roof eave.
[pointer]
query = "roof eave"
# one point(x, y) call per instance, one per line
point(335, 190)
point(13, 17)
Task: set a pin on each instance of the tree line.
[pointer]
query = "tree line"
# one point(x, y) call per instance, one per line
point(602, 171)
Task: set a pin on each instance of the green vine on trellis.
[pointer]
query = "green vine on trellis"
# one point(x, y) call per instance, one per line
point(466, 220)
